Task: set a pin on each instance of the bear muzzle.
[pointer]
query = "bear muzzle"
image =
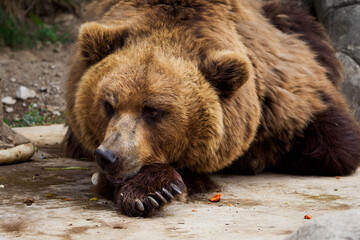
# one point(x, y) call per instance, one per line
point(105, 158)
point(117, 167)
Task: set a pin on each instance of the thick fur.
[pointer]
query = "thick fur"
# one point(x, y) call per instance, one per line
point(200, 86)
point(329, 145)
point(290, 19)
point(156, 177)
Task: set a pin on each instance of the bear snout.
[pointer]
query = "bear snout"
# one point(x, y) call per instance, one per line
point(106, 159)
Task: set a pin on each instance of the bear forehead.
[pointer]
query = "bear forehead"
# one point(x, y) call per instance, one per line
point(156, 78)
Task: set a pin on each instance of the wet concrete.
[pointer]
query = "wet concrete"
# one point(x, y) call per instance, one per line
point(268, 206)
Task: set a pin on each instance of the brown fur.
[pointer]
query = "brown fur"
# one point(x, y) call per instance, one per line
point(201, 84)
point(156, 177)
point(290, 19)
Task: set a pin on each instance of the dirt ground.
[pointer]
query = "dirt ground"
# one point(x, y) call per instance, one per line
point(42, 69)
point(267, 206)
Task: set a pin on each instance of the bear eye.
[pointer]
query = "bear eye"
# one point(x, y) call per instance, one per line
point(108, 108)
point(152, 115)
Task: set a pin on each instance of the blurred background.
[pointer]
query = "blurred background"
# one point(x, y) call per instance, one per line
point(35, 45)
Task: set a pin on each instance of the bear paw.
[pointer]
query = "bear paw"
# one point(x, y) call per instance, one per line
point(154, 186)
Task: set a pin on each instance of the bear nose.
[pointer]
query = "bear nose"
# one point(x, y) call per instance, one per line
point(105, 158)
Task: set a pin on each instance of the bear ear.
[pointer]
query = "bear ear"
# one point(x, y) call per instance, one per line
point(227, 71)
point(96, 41)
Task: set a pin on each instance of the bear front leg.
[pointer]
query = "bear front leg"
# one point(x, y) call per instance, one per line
point(154, 186)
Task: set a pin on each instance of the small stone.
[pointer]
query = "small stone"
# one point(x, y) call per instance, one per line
point(35, 105)
point(24, 93)
point(52, 67)
point(9, 109)
point(12, 80)
point(43, 89)
point(50, 108)
point(56, 113)
point(17, 117)
point(8, 100)
point(24, 105)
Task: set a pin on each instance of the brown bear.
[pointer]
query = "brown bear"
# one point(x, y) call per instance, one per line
point(163, 92)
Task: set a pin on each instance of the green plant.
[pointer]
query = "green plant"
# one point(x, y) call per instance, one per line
point(12, 34)
point(36, 116)
point(27, 33)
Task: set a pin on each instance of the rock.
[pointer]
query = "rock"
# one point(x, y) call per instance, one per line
point(9, 109)
point(43, 89)
point(8, 100)
point(345, 31)
point(326, 8)
point(24, 93)
point(56, 113)
point(351, 85)
point(341, 18)
point(12, 80)
point(332, 226)
point(16, 117)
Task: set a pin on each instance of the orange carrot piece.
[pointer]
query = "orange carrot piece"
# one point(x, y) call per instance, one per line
point(216, 197)
point(308, 216)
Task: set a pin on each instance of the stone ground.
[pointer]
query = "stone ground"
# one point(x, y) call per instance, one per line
point(267, 206)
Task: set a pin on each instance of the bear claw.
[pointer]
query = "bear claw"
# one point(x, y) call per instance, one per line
point(175, 188)
point(167, 193)
point(153, 202)
point(139, 205)
point(144, 194)
point(161, 197)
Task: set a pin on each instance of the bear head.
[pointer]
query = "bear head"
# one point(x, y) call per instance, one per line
point(142, 100)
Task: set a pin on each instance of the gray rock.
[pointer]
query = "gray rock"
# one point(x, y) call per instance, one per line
point(332, 226)
point(9, 109)
point(43, 89)
point(8, 100)
point(24, 93)
point(345, 31)
point(56, 113)
point(351, 86)
point(12, 80)
point(342, 19)
point(326, 8)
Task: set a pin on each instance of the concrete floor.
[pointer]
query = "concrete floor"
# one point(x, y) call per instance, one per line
point(268, 206)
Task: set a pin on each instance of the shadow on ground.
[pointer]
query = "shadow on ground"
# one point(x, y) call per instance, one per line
point(64, 206)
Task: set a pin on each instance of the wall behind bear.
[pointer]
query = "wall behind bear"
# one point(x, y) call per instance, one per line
point(341, 18)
